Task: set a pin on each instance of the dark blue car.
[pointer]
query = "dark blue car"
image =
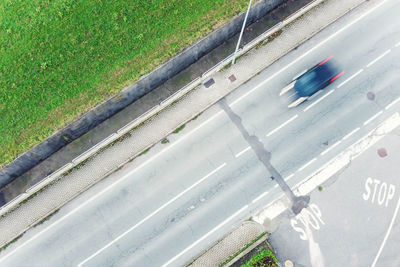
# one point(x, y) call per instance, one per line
point(312, 81)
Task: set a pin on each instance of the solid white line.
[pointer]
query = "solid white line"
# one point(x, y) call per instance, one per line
point(308, 52)
point(320, 99)
point(282, 125)
point(393, 103)
point(330, 148)
point(350, 153)
point(152, 214)
point(351, 133)
point(387, 234)
point(259, 197)
point(351, 77)
point(373, 117)
point(123, 178)
point(308, 163)
point(242, 152)
point(205, 236)
point(378, 58)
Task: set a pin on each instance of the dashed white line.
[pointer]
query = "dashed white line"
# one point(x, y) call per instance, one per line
point(351, 77)
point(393, 103)
point(373, 117)
point(205, 236)
point(307, 164)
point(330, 148)
point(350, 134)
point(378, 58)
point(387, 234)
point(260, 197)
point(308, 52)
point(151, 215)
point(290, 176)
point(242, 152)
point(317, 101)
point(282, 125)
point(398, 44)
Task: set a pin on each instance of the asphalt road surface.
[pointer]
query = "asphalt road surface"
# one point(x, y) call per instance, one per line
point(171, 203)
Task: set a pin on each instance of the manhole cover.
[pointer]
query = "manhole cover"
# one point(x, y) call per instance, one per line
point(232, 78)
point(382, 152)
point(370, 96)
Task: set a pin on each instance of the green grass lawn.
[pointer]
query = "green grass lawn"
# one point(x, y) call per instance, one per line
point(59, 58)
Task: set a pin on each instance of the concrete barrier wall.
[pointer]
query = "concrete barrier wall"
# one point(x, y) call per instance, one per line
point(130, 94)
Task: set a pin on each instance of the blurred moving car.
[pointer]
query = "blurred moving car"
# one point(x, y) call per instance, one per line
point(311, 81)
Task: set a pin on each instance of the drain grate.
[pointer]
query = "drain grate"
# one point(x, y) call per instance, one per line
point(209, 83)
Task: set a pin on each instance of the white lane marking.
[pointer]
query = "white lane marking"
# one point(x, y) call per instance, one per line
point(290, 176)
point(350, 153)
point(151, 215)
point(205, 236)
point(351, 77)
point(123, 178)
point(308, 52)
point(387, 234)
point(319, 100)
point(351, 133)
point(398, 44)
point(373, 117)
point(307, 164)
point(393, 103)
point(282, 125)
point(330, 148)
point(242, 152)
point(275, 186)
point(378, 58)
point(322, 174)
point(260, 197)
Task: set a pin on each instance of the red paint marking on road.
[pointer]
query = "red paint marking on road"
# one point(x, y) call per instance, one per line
point(323, 62)
point(337, 76)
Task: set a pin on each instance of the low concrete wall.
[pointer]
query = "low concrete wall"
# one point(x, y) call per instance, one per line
point(130, 94)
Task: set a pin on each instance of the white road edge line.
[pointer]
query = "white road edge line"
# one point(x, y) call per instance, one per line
point(378, 58)
point(393, 103)
point(351, 133)
point(151, 214)
point(123, 178)
point(242, 152)
point(308, 52)
point(319, 100)
point(350, 153)
point(330, 148)
point(387, 234)
point(260, 197)
point(205, 236)
point(312, 181)
point(282, 125)
point(373, 117)
point(307, 164)
point(351, 77)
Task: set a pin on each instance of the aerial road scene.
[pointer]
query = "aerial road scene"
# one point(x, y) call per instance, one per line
point(200, 133)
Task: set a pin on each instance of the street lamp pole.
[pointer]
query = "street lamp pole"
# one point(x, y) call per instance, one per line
point(241, 32)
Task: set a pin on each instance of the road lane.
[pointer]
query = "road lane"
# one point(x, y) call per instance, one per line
point(238, 184)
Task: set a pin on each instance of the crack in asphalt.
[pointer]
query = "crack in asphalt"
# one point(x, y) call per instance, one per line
point(297, 202)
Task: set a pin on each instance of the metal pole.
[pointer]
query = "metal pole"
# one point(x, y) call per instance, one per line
point(241, 32)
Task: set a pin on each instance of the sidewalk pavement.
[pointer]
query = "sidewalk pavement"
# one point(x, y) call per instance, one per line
point(229, 245)
point(55, 195)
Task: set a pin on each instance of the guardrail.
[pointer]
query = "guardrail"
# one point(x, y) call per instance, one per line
point(177, 95)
